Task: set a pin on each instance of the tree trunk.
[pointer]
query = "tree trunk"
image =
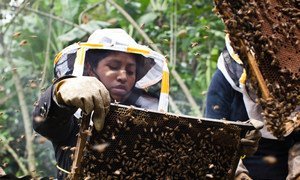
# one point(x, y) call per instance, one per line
point(24, 111)
point(26, 121)
point(15, 156)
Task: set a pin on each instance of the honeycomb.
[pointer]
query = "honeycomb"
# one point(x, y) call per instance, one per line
point(141, 144)
point(270, 29)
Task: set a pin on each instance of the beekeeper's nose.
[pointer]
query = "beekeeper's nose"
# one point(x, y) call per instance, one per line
point(122, 75)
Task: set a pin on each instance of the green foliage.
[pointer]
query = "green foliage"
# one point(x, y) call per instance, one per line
point(187, 33)
point(77, 34)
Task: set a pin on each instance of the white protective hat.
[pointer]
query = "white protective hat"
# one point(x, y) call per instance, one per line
point(116, 40)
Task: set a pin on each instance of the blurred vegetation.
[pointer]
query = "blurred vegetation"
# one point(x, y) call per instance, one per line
point(33, 32)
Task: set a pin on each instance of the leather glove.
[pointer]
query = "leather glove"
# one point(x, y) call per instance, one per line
point(293, 122)
point(249, 143)
point(294, 162)
point(243, 176)
point(86, 93)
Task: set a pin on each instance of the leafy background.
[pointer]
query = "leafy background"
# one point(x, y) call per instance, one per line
point(33, 32)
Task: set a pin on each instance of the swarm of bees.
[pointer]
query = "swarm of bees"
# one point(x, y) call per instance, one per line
point(270, 29)
point(141, 144)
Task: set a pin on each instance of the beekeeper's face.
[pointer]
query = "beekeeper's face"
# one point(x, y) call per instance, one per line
point(117, 72)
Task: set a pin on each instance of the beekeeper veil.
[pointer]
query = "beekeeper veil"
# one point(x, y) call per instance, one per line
point(72, 61)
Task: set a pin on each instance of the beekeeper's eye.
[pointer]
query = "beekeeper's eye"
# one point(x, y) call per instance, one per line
point(114, 66)
point(117, 66)
point(130, 70)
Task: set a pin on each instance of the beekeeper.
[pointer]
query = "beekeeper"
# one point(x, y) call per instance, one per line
point(109, 67)
point(274, 158)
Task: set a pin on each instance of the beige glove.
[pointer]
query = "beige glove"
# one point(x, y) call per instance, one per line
point(86, 93)
point(249, 144)
point(293, 122)
point(294, 162)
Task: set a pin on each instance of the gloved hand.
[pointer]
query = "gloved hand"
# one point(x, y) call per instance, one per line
point(249, 143)
point(86, 93)
point(294, 162)
point(293, 122)
point(242, 176)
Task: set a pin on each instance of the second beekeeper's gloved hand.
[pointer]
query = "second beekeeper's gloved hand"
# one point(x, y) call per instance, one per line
point(251, 140)
point(86, 93)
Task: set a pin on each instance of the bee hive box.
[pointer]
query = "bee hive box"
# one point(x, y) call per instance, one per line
point(140, 144)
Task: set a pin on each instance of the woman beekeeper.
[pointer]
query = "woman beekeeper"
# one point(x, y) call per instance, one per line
point(109, 67)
